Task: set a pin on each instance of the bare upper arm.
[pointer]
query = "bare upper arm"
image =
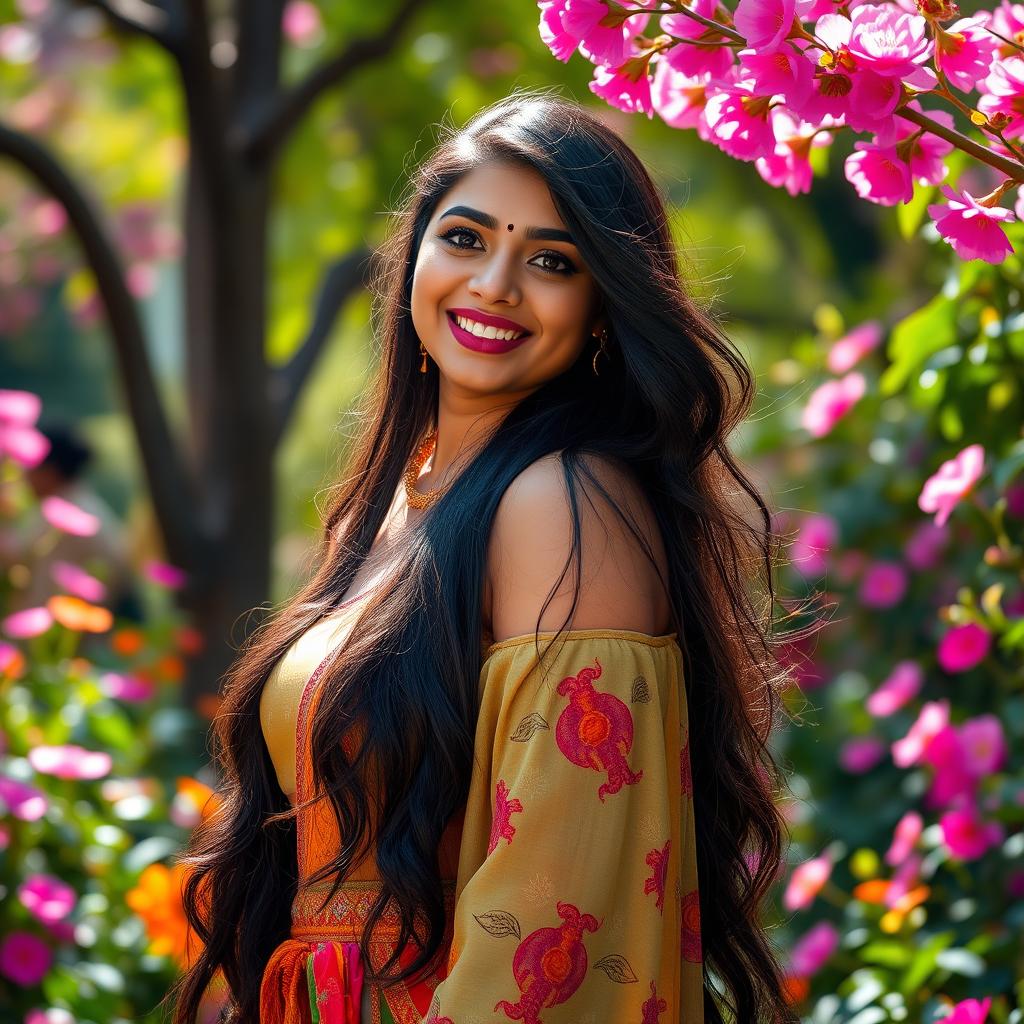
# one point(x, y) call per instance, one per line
point(530, 544)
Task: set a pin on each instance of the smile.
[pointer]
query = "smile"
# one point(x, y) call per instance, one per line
point(486, 334)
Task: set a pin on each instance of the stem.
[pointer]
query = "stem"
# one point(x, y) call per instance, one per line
point(1010, 168)
point(1009, 42)
point(717, 26)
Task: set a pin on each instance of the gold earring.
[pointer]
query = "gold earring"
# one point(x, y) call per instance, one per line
point(603, 336)
point(423, 352)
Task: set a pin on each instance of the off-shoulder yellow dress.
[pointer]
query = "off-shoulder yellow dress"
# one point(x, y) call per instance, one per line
point(571, 873)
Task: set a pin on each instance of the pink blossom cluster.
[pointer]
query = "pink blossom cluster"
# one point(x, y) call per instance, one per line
point(960, 757)
point(771, 80)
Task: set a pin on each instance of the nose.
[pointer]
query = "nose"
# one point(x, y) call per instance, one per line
point(495, 281)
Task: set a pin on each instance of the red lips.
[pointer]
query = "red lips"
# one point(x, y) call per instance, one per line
point(490, 320)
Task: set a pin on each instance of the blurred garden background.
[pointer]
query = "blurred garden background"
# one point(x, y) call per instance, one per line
point(189, 195)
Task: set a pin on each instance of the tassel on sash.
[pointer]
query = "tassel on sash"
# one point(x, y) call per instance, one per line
point(327, 977)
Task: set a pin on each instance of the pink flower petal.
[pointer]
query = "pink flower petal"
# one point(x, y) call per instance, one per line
point(66, 516)
point(27, 623)
point(70, 762)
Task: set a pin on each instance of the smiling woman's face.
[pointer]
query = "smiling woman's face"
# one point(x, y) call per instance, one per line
point(501, 298)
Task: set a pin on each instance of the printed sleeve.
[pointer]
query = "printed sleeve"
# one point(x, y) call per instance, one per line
point(577, 894)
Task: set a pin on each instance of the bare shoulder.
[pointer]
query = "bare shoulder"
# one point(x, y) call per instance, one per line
point(531, 543)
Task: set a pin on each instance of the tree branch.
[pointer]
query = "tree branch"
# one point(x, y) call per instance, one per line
point(339, 282)
point(268, 127)
point(168, 481)
point(140, 18)
point(1010, 168)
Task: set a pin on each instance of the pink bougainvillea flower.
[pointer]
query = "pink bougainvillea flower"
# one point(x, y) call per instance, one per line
point(952, 482)
point(66, 516)
point(984, 745)
point(926, 152)
point(627, 87)
point(19, 439)
point(813, 949)
point(789, 165)
point(738, 119)
point(586, 21)
point(764, 23)
point(900, 687)
point(806, 882)
point(24, 802)
point(1007, 20)
point(831, 401)
point(562, 44)
point(131, 689)
point(853, 346)
point(785, 71)
point(696, 60)
point(47, 897)
point(964, 51)
point(679, 99)
point(872, 101)
point(971, 228)
point(70, 762)
point(904, 838)
point(952, 782)
point(932, 719)
point(24, 958)
point(27, 623)
point(75, 580)
point(1003, 93)
point(166, 575)
point(970, 1011)
point(861, 754)
point(889, 42)
point(878, 174)
point(925, 545)
point(967, 834)
point(301, 23)
point(818, 533)
point(51, 1015)
point(883, 585)
point(963, 647)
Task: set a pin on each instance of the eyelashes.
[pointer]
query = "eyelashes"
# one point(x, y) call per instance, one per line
point(566, 270)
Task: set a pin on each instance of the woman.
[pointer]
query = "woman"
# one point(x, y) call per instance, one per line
point(523, 835)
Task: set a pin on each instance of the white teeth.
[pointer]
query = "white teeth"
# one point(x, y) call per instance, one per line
point(483, 331)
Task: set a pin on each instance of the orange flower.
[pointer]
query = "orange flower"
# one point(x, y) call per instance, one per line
point(171, 668)
point(157, 900)
point(127, 641)
point(12, 662)
point(871, 891)
point(194, 802)
point(189, 640)
point(795, 989)
point(75, 614)
point(208, 705)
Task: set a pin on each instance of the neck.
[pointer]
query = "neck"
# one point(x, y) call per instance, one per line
point(464, 422)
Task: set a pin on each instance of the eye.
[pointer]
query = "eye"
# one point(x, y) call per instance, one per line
point(452, 234)
point(554, 262)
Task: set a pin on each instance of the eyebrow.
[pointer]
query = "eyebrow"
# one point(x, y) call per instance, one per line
point(487, 221)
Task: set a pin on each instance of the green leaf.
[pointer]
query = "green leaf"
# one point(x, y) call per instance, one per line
point(924, 963)
point(887, 953)
point(920, 335)
point(909, 216)
point(110, 725)
point(1006, 469)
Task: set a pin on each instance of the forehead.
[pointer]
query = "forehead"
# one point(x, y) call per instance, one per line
point(511, 192)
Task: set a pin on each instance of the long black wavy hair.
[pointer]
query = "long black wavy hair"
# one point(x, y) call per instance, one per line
point(668, 399)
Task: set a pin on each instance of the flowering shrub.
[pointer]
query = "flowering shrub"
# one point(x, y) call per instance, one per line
point(94, 791)
point(904, 897)
point(773, 82)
